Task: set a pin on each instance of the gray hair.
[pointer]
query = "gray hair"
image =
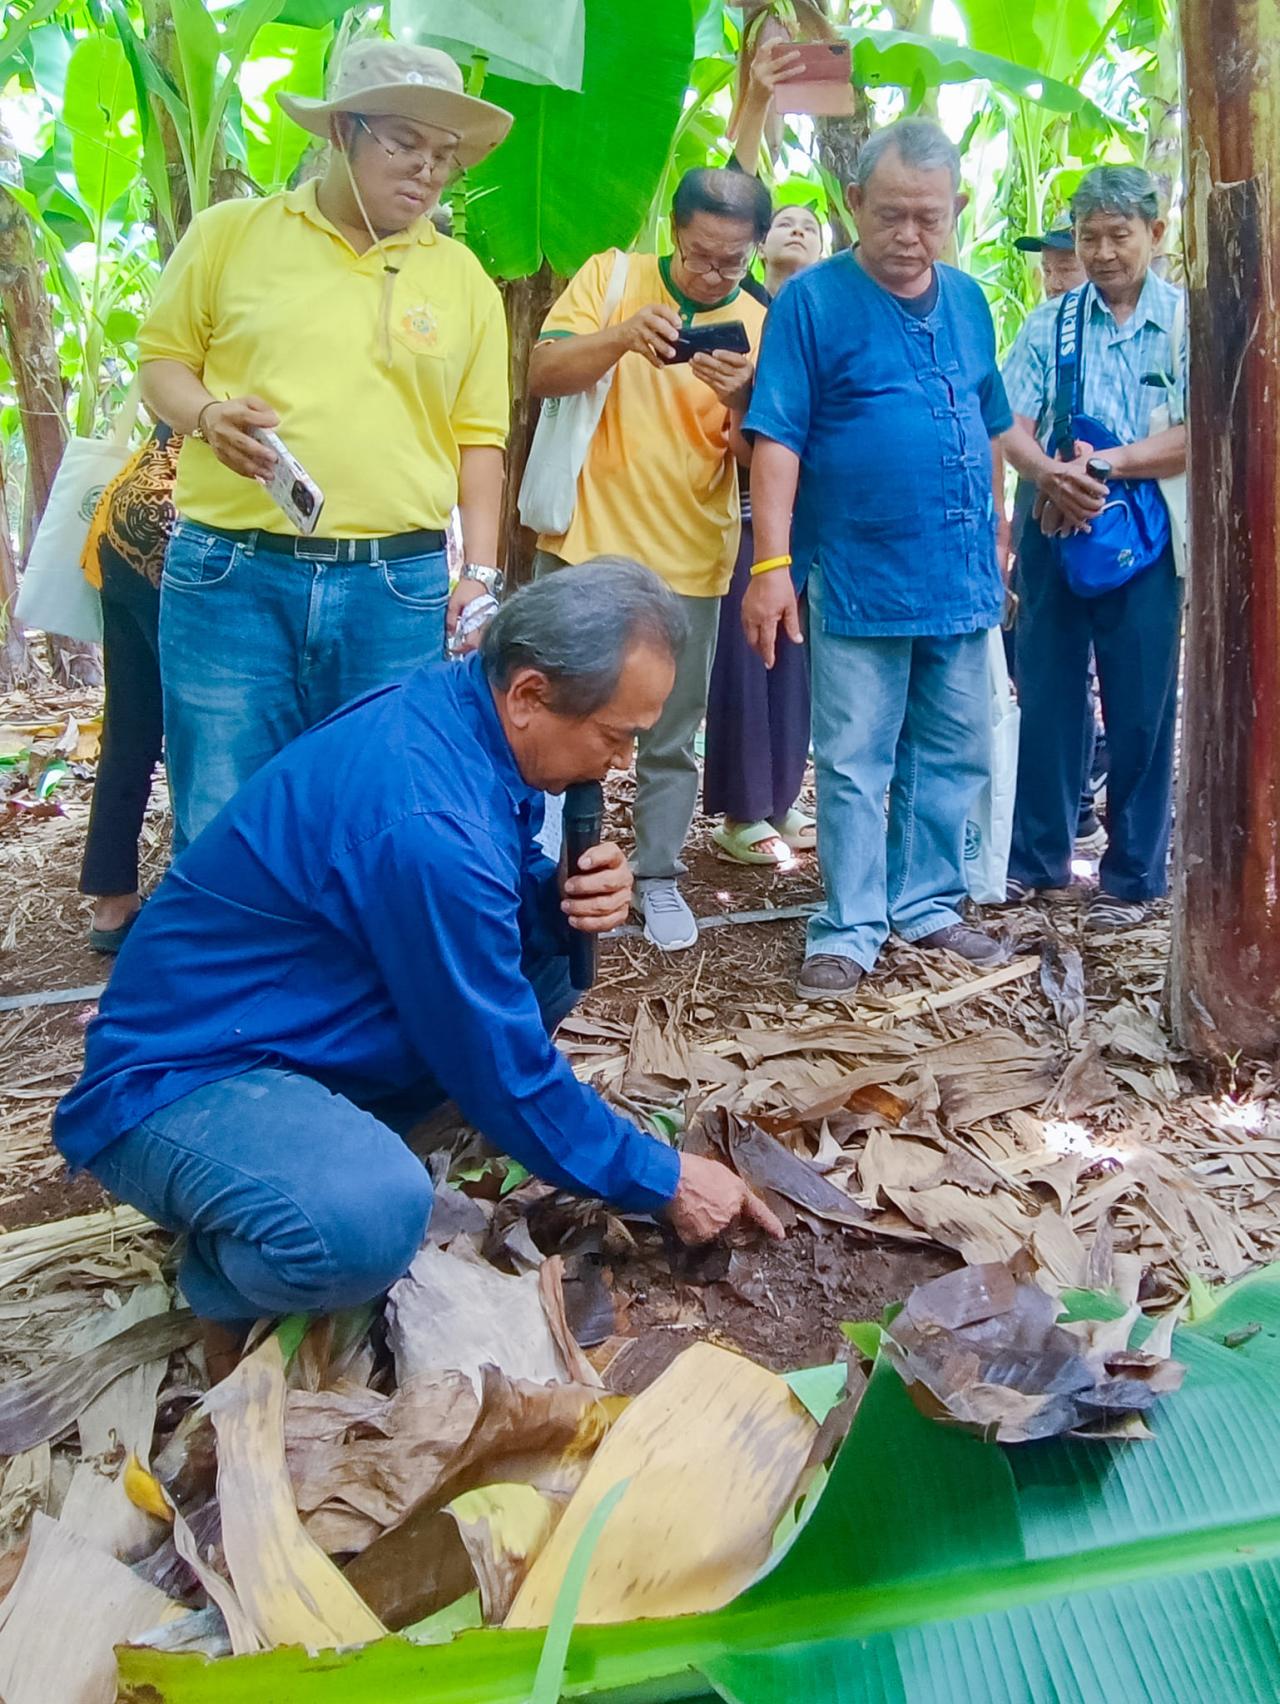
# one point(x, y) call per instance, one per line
point(577, 626)
point(918, 142)
point(1128, 192)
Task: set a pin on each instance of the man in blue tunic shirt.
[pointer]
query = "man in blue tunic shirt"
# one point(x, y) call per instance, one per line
point(366, 929)
point(876, 399)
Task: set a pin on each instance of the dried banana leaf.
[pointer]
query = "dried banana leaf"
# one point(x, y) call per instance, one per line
point(71, 1605)
point(981, 1348)
point(935, 1566)
point(454, 1311)
point(711, 1453)
point(288, 1587)
point(362, 1463)
point(44, 1404)
point(769, 1168)
point(505, 1528)
point(113, 1426)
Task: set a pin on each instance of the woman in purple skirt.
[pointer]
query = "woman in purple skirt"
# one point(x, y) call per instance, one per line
point(758, 718)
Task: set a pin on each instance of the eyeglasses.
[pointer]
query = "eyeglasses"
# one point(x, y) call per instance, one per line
point(698, 267)
point(436, 162)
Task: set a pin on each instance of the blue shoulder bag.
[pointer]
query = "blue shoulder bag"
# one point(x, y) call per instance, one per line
point(1132, 532)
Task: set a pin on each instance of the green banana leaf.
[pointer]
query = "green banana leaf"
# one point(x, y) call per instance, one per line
point(1061, 41)
point(937, 1569)
point(903, 60)
point(98, 117)
point(530, 44)
point(577, 172)
point(285, 59)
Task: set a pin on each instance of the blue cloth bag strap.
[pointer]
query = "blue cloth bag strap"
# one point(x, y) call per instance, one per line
point(1131, 532)
point(1069, 366)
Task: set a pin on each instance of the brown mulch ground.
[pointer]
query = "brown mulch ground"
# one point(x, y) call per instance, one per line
point(785, 1305)
point(43, 947)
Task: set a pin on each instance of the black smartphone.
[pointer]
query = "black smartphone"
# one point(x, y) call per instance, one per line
point(694, 340)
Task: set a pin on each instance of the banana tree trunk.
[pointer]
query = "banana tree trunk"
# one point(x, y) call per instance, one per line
point(32, 351)
point(1226, 964)
point(527, 301)
point(16, 665)
point(29, 341)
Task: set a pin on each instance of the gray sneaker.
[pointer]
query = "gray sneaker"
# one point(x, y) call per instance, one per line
point(968, 943)
point(668, 921)
point(828, 976)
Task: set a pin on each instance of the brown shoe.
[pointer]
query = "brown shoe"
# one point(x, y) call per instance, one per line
point(223, 1346)
point(827, 976)
point(967, 943)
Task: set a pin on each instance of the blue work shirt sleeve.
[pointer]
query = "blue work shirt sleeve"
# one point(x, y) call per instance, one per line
point(996, 413)
point(782, 397)
point(440, 910)
point(1028, 369)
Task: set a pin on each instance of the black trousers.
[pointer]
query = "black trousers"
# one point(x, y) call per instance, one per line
point(132, 727)
point(1135, 633)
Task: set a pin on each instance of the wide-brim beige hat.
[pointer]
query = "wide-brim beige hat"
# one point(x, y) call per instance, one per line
point(391, 79)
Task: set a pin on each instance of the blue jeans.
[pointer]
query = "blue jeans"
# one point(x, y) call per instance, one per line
point(293, 1199)
point(907, 716)
point(256, 648)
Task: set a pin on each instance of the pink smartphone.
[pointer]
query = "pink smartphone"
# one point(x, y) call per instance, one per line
point(822, 83)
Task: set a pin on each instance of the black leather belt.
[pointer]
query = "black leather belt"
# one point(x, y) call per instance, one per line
point(392, 549)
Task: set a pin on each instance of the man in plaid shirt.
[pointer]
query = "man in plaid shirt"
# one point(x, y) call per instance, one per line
point(1132, 347)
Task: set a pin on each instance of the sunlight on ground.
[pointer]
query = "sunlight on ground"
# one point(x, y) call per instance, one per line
point(1240, 1115)
point(1065, 1136)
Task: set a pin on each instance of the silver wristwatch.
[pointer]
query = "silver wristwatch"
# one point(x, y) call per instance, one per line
point(492, 579)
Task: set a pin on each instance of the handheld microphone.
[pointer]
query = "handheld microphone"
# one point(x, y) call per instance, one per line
point(583, 826)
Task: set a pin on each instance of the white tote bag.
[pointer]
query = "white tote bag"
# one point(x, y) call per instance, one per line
point(566, 426)
point(1174, 489)
point(989, 831)
point(54, 595)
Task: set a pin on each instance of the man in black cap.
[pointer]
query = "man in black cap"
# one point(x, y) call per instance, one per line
point(1060, 268)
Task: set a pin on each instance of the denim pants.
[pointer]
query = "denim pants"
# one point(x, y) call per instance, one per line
point(908, 716)
point(1135, 633)
point(293, 1199)
point(256, 648)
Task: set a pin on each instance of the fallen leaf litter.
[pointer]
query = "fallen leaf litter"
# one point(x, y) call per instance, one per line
point(1033, 1127)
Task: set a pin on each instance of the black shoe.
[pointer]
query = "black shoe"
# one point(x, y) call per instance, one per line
point(110, 940)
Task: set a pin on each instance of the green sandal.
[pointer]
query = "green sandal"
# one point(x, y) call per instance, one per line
point(798, 832)
point(741, 845)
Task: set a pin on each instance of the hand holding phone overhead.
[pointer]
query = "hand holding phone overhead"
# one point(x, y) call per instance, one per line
point(818, 81)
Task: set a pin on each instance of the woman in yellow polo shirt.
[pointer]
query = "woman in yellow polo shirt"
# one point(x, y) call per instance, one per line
point(337, 316)
point(659, 483)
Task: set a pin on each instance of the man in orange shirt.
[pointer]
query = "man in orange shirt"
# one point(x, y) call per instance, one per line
point(660, 483)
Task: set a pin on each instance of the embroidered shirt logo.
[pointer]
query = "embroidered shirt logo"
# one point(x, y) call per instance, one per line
point(420, 327)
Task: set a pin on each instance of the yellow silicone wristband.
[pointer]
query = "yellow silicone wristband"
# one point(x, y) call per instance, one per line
point(769, 564)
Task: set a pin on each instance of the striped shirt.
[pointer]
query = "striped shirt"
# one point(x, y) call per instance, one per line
point(1116, 359)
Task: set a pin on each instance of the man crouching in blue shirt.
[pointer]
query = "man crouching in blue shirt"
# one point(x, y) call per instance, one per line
point(367, 929)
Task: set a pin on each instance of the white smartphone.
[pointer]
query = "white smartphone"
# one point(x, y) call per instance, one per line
point(293, 488)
